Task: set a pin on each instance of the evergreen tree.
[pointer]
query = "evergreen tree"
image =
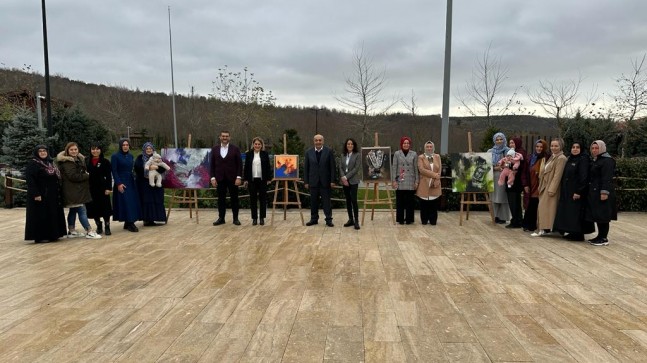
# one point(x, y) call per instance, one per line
point(295, 145)
point(20, 138)
point(74, 125)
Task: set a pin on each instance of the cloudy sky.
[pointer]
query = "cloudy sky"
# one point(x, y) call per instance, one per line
point(302, 50)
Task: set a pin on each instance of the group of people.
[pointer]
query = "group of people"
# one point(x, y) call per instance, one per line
point(85, 186)
point(561, 195)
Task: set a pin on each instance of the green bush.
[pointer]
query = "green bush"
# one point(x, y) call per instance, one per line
point(631, 184)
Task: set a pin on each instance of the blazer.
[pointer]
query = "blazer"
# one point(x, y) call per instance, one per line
point(229, 168)
point(406, 166)
point(429, 185)
point(266, 169)
point(354, 166)
point(322, 173)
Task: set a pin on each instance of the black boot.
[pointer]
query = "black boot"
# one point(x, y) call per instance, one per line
point(99, 227)
point(108, 233)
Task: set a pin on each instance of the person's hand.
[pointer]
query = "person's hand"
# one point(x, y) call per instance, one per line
point(38, 198)
point(237, 182)
point(394, 185)
point(121, 188)
point(107, 192)
point(415, 185)
point(576, 196)
point(332, 185)
point(245, 184)
point(604, 197)
point(551, 194)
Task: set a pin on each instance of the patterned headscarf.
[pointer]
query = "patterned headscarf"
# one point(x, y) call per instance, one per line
point(433, 149)
point(498, 151)
point(146, 157)
point(46, 163)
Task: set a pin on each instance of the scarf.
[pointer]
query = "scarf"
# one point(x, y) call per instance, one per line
point(146, 157)
point(498, 151)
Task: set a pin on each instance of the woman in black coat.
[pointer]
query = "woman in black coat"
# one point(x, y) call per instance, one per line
point(100, 172)
point(602, 195)
point(257, 174)
point(45, 219)
point(573, 194)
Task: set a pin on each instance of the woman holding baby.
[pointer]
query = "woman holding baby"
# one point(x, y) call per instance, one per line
point(151, 197)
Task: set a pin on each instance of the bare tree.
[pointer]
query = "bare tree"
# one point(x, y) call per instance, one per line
point(483, 92)
point(631, 99)
point(364, 92)
point(246, 102)
point(411, 105)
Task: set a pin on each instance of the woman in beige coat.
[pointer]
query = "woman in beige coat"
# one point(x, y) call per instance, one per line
point(550, 178)
point(429, 190)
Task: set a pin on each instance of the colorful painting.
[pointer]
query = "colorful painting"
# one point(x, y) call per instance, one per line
point(472, 172)
point(189, 168)
point(376, 164)
point(286, 166)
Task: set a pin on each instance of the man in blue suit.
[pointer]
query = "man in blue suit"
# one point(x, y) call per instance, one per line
point(319, 178)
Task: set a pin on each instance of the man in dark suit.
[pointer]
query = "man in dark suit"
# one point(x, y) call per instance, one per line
point(226, 174)
point(318, 177)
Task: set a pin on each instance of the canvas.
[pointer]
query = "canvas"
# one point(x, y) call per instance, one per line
point(376, 164)
point(472, 172)
point(189, 168)
point(286, 167)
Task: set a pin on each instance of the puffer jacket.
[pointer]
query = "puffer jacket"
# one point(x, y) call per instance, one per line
point(76, 185)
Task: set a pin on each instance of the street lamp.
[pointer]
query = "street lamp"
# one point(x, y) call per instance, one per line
point(316, 110)
point(128, 132)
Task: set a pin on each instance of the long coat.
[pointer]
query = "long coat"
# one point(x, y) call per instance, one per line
point(405, 170)
point(76, 185)
point(151, 199)
point(100, 181)
point(601, 179)
point(550, 178)
point(353, 166)
point(45, 220)
point(319, 173)
point(125, 205)
point(429, 185)
point(570, 212)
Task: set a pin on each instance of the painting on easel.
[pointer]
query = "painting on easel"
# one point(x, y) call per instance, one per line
point(286, 167)
point(376, 164)
point(189, 168)
point(472, 172)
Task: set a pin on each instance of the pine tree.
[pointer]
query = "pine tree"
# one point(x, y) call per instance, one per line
point(74, 125)
point(20, 138)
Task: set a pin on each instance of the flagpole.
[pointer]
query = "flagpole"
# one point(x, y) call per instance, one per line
point(170, 42)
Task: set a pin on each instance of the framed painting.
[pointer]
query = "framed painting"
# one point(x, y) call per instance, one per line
point(286, 167)
point(189, 168)
point(376, 164)
point(472, 172)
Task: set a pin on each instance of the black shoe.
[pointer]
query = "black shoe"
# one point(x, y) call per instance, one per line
point(99, 228)
point(500, 221)
point(574, 237)
point(330, 224)
point(513, 226)
point(424, 223)
point(262, 221)
point(599, 241)
point(237, 222)
point(149, 224)
point(350, 223)
point(311, 223)
point(132, 227)
point(108, 232)
point(356, 225)
point(254, 222)
point(409, 222)
point(219, 221)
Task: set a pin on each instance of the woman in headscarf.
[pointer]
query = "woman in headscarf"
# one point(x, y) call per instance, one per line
point(125, 199)
point(572, 200)
point(550, 178)
point(514, 192)
point(100, 188)
point(499, 197)
point(151, 197)
point(45, 218)
point(404, 179)
point(535, 164)
point(429, 168)
point(602, 195)
point(76, 189)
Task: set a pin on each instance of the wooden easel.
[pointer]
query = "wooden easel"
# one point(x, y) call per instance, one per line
point(376, 194)
point(469, 198)
point(188, 196)
point(285, 182)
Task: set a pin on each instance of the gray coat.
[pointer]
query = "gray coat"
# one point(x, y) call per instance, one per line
point(321, 173)
point(354, 166)
point(405, 170)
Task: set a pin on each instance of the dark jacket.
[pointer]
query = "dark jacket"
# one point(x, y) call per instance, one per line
point(100, 181)
point(266, 168)
point(76, 186)
point(601, 181)
point(570, 212)
point(229, 168)
point(44, 219)
point(319, 173)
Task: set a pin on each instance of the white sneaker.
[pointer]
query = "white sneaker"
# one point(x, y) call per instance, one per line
point(92, 235)
point(75, 234)
point(538, 233)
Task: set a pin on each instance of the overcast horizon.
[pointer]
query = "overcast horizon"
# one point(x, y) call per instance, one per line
point(302, 52)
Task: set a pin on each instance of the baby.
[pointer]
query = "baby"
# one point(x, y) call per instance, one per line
point(509, 165)
point(154, 177)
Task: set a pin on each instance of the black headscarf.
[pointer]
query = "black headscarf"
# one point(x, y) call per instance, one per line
point(121, 143)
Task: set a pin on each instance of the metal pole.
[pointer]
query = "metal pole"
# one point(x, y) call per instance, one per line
point(39, 112)
point(316, 110)
point(47, 92)
point(170, 42)
point(444, 131)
